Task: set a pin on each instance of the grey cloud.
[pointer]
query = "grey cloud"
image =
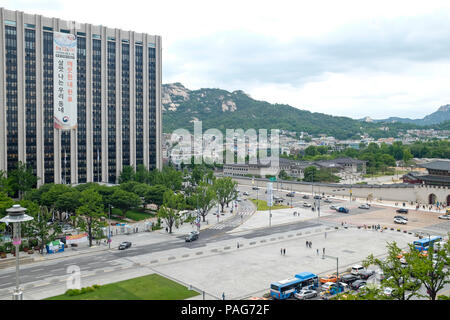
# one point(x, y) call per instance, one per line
point(387, 45)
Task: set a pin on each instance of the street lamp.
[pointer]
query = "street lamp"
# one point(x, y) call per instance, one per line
point(109, 227)
point(337, 266)
point(16, 215)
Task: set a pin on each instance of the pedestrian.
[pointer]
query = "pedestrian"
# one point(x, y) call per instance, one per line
point(281, 251)
point(310, 244)
point(317, 250)
point(223, 295)
point(323, 250)
point(167, 230)
point(238, 245)
point(284, 251)
point(307, 244)
point(325, 235)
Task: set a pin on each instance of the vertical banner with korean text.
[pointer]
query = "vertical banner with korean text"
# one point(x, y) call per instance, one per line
point(65, 80)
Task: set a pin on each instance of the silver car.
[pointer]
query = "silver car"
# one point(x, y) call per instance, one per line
point(305, 294)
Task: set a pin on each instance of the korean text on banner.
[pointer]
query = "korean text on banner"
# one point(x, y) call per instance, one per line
point(65, 80)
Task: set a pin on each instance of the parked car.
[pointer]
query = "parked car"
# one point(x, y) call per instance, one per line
point(328, 278)
point(317, 197)
point(364, 206)
point(305, 294)
point(401, 217)
point(445, 217)
point(343, 210)
point(356, 269)
point(349, 278)
point(358, 284)
point(366, 274)
point(245, 193)
point(255, 188)
point(191, 236)
point(306, 204)
point(327, 201)
point(338, 288)
point(305, 197)
point(388, 291)
point(326, 286)
point(124, 245)
point(402, 210)
point(400, 221)
point(290, 194)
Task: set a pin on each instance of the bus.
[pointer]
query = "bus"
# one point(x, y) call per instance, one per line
point(309, 280)
point(284, 289)
point(424, 243)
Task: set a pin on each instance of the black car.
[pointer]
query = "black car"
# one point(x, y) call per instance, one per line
point(305, 197)
point(124, 245)
point(317, 197)
point(191, 236)
point(349, 278)
point(358, 284)
point(366, 274)
point(255, 188)
point(402, 210)
point(290, 194)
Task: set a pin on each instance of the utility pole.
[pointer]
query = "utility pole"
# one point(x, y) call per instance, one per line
point(337, 266)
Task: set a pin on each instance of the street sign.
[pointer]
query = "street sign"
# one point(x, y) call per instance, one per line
point(273, 179)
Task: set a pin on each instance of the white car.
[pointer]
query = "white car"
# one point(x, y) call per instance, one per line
point(306, 204)
point(400, 221)
point(356, 269)
point(388, 291)
point(327, 285)
point(445, 217)
point(364, 206)
point(333, 207)
point(245, 193)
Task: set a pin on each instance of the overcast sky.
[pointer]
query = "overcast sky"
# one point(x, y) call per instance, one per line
point(351, 58)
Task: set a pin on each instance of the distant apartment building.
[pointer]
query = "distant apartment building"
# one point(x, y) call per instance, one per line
point(104, 82)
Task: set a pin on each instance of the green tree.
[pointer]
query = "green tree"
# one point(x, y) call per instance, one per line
point(90, 211)
point(125, 200)
point(397, 276)
point(41, 230)
point(142, 174)
point(225, 189)
point(4, 183)
point(204, 199)
point(5, 203)
point(22, 179)
point(431, 270)
point(155, 194)
point(127, 174)
point(172, 203)
point(310, 174)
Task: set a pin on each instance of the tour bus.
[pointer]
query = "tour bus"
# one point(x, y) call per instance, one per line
point(424, 243)
point(309, 280)
point(285, 288)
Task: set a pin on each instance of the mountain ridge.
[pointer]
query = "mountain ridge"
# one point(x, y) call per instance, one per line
point(221, 109)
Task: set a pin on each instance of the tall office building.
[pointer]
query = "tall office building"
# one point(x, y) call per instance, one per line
point(77, 101)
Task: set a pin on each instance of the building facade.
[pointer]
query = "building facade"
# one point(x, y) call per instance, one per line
point(118, 78)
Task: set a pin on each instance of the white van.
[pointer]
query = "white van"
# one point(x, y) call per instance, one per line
point(356, 269)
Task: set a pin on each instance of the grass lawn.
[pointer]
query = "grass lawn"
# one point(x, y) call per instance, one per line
point(261, 205)
point(135, 214)
point(151, 287)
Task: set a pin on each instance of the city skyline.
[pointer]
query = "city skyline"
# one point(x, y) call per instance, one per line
point(349, 59)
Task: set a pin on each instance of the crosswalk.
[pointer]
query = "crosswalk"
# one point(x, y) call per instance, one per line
point(234, 221)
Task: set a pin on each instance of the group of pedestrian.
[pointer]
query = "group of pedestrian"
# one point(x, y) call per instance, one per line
point(308, 244)
point(283, 251)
